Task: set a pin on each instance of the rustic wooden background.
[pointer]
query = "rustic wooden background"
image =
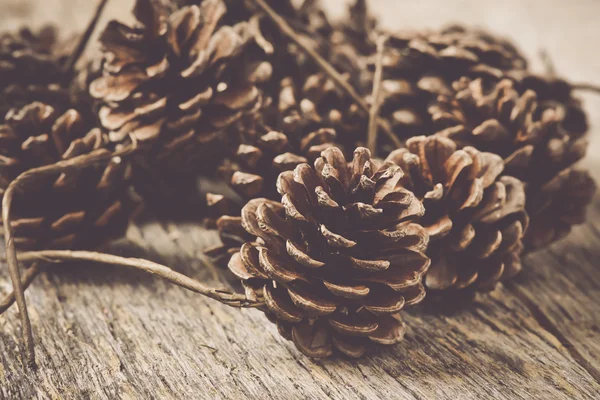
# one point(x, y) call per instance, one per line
point(105, 333)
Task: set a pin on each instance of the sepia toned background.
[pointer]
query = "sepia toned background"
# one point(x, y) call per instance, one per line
point(106, 333)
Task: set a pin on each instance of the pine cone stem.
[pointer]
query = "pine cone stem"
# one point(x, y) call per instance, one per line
point(374, 111)
point(335, 76)
point(19, 183)
point(222, 295)
point(83, 41)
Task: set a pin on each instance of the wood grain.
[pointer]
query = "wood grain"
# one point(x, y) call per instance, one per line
point(562, 287)
point(104, 333)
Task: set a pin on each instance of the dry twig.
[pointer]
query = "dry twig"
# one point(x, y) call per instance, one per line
point(374, 111)
point(83, 41)
point(19, 183)
point(220, 294)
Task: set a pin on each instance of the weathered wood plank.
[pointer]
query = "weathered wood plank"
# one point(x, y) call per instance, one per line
point(104, 332)
point(562, 285)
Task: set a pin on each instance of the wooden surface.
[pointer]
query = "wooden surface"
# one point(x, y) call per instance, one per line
point(105, 333)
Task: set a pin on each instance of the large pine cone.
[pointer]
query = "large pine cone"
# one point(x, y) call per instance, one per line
point(339, 257)
point(30, 69)
point(77, 209)
point(177, 81)
point(539, 140)
point(419, 66)
point(475, 217)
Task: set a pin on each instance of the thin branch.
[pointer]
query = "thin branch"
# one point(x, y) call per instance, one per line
point(374, 111)
point(28, 277)
point(335, 76)
point(95, 157)
point(85, 38)
point(222, 295)
point(589, 87)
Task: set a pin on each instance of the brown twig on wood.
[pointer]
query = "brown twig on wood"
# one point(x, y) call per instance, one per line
point(335, 76)
point(83, 41)
point(95, 157)
point(222, 295)
point(28, 277)
point(374, 111)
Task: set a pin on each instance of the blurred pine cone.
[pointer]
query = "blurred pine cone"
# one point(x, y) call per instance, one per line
point(30, 69)
point(309, 116)
point(257, 166)
point(77, 209)
point(558, 205)
point(313, 103)
point(310, 22)
point(305, 111)
point(419, 66)
point(539, 140)
point(475, 217)
point(176, 81)
point(300, 117)
point(339, 257)
point(357, 29)
point(306, 122)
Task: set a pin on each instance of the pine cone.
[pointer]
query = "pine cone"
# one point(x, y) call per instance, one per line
point(310, 23)
point(357, 29)
point(419, 66)
point(299, 118)
point(539, 140)
point(30, 69)
point(316, 103)
point(253, 171)
point(475, 217)
point(558, 205)
point(76, 209)
point(307, 120)
point(177, 81)
point(339, 257)
point(304, 113)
